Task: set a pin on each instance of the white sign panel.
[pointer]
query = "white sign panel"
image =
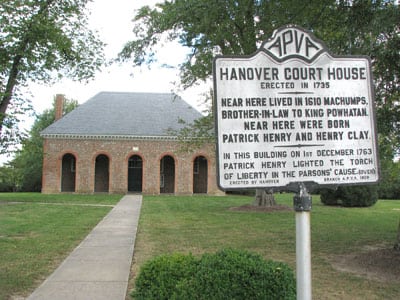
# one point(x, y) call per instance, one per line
point(294, 113)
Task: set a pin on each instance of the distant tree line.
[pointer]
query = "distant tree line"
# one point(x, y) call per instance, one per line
point(24, 172)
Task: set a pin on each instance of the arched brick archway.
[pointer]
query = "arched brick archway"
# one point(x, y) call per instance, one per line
point(200, 175)
point(68, 173)
point(167, 174)
point(135, 174)
point(101, 174)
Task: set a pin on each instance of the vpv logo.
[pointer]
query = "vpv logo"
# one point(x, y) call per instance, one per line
point(293, 42)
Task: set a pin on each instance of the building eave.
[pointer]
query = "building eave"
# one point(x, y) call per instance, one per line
point(59, 136)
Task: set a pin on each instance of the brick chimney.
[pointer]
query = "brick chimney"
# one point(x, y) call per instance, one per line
point(59, 106)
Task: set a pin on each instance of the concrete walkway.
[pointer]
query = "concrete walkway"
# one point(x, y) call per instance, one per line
point(99, 267)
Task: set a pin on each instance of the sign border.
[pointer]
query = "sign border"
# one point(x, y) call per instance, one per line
point(293, 186)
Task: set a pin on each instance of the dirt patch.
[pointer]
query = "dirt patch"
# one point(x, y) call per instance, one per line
point(379, 263)
point(266, 209)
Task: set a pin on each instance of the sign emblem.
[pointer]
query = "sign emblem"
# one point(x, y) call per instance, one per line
point(293, 42)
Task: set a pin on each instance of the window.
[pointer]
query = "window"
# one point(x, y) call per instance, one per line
point(196, 166)
point(162, 181)
point(135, 163)
point(72, 164)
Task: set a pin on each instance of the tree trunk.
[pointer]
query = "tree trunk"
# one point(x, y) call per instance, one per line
point(15, 69)
point(264, 198)
point(397, 245)
point(8, 92)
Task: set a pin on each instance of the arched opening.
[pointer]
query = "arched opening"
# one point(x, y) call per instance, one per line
point(200, 175)
point(68, 173)
point(167, 174)
point(101, 174)
point(135, 174)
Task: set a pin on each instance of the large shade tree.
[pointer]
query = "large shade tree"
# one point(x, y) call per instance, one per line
point(41, 41)
point(209, 27)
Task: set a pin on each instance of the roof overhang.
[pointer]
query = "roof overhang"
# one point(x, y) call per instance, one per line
point(107, 137)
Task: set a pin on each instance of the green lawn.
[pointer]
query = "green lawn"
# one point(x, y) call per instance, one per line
point(205, 224)
point(38, 231)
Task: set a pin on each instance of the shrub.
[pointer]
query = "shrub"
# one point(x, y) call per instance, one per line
point(233, 274)
point(350, 196)
point(159, 277)
point(389, 184)
point(227, 274)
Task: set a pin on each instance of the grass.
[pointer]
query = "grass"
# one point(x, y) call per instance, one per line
point(36, 235)
point(38, 231)
point(202, 224)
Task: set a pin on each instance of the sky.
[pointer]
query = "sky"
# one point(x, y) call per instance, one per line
point(113, 21)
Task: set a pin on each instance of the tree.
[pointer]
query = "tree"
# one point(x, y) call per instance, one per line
point(208, 28)
point(27, 164)
point(40, 41)
point(8, 179)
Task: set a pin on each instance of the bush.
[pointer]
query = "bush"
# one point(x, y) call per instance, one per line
point(232, 274)
point(158, 278)
point(350, 196)
point(227, 274)
point(389, 184)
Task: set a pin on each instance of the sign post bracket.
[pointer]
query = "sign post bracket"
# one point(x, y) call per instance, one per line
point(302, 206)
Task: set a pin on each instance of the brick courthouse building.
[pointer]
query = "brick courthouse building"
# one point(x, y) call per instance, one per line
point(120, 143)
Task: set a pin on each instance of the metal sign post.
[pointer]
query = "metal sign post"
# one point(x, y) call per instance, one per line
point(293, 115)
point(302, 206)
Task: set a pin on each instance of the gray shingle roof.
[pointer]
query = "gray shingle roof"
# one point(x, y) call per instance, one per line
point(125, 114)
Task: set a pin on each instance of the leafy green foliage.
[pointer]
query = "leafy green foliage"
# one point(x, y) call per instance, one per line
point(389, 185)
point(8, 182)
point(234, 274)
point(42, 41)
point(350, 196)
point(10, 134)
point(209, 28)
point(26, 168)
point(159, 278)
point(227, 274)
point(196, 134)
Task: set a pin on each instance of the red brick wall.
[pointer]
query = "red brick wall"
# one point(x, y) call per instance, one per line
point(119, 152)
point(59, 107)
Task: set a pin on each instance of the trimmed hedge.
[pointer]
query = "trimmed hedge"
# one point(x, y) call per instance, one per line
point(159, 277)
point(350, 196)
point(227, 274)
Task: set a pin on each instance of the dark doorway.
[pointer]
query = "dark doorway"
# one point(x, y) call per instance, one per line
point(101, 174)
point(135, 174)
point(68, 173)
point(167, 175)
point(200, 175)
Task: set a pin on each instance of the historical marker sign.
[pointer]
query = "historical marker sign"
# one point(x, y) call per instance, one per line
point(292, 112)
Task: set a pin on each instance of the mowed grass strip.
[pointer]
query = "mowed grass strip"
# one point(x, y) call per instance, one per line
point(38, 231)
point(98, 199)
point(199, 224)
